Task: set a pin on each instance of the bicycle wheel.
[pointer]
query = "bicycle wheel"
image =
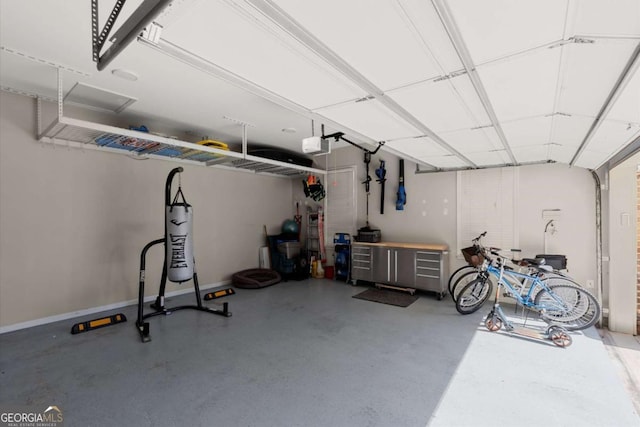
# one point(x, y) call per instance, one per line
point(456, 275)
point(473, 295)
point(464, 280)
point(568, 305)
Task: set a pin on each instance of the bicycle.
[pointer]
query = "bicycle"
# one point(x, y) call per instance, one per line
point(474, 256)
point(557, 299)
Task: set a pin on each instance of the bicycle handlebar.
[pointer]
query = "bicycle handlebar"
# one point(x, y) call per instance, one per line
point(479, 237)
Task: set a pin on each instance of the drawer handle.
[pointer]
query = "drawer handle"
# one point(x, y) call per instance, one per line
point(427, 275)
point(428, 268)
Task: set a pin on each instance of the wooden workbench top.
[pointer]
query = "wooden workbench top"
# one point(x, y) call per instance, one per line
point(427, 246)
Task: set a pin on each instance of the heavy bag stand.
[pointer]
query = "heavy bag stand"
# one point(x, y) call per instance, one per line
point(158, 306)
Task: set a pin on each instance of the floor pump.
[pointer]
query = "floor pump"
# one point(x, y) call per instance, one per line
point(179, 262)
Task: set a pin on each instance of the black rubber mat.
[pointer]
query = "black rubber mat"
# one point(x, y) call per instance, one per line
point(384, 296)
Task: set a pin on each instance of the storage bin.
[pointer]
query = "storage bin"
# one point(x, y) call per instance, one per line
point(558, 262)
point(289, 249)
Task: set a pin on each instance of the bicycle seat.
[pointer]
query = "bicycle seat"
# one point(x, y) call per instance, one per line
point(538, 263)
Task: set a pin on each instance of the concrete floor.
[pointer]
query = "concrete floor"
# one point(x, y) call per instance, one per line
point(307, 354)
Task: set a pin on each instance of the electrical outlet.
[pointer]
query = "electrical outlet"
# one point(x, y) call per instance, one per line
point(590, 284)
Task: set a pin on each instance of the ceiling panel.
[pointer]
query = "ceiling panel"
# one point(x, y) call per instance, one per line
point(465, 89)
point(439, 105)
point(561, 153)
point(611, 17)
point(590, 159)
point(444, 162)
point(523, 86)
point(612, 136)
point(373, 36)
point(495, 28)
point(528, 154)
point(432, 33)
point(590, 71)
point(528, 132)
point(56, 30)
point(370, 118)
point(473, 140)
point(203, 105)
point(570, 131)
point(260, 52)
point(418, 147)
point(627, 106)
point(401, 46)
point(22, 74)
point(489, 158)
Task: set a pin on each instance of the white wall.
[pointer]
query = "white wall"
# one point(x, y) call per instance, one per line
point(623, 198)
point(572, 190)
point(430, 213)
point(73, 222)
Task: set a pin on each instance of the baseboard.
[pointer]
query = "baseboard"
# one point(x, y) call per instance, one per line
point(74, 314)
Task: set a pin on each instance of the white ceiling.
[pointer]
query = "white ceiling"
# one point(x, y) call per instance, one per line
point(450, 84)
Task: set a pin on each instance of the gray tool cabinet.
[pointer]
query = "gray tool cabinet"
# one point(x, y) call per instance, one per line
point(408, 266)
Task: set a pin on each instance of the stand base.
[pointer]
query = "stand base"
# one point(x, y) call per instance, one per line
point(143, 327)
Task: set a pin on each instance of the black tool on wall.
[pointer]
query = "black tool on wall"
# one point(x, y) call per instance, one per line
point(367, 159)
point(381, 173)
point(402, 194)
point(367, 181)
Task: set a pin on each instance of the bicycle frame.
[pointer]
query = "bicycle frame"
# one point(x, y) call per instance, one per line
point(526, 299)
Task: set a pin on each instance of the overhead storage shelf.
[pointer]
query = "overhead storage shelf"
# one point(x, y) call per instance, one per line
point(85, 134)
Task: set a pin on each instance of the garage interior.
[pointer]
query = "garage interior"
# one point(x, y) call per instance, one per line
point(521, 119)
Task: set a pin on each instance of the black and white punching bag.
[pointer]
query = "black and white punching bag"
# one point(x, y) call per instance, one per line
point(179, 244)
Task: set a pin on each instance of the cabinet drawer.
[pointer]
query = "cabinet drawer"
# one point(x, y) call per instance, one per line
point(429, 272)
point(360, 263)
point(427, 263)
point(428, 256)
point(430, 284)
point(361, 250)
point(361, 259)
point(361, 254)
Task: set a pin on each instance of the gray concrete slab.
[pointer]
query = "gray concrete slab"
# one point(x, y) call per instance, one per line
point(307, 354)
point(506, 380)
point(624, 350)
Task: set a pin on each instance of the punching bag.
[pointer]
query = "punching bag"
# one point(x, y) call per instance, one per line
point(179, 235)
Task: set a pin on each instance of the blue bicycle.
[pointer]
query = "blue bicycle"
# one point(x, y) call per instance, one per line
point(557, 299)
